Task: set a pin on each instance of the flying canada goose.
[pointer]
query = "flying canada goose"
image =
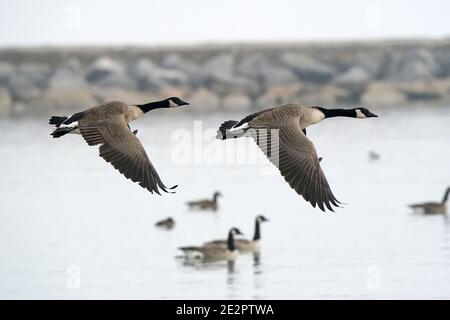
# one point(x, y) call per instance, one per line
point(206, 204)
point(168, 223)
point(207, 253)
point(245, 245)
point(281, 134)
point(107, 125)
point(432, 207)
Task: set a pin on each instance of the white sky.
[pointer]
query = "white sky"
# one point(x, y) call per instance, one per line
point(155, 22)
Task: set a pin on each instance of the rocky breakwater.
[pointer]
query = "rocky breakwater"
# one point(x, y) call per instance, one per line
point(39, 81)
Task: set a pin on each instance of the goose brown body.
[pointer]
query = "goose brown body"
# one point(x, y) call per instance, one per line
point(433, 207)
point(207, 253)
point(430, 207)
point(168, 223)
point(206, 204)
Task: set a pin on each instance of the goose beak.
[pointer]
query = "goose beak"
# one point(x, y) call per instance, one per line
point(371, 115)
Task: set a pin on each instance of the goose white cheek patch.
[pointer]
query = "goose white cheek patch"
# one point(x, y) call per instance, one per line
point(359, 114)
point(317, 116)
point(242, 127)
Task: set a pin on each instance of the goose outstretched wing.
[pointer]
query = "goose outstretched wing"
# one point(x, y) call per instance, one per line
point(288, 148)
point(120, 147)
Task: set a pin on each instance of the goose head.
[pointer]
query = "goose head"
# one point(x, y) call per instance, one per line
point(360, 112)
point(174, 102)
point(217, 194)
point(235, 231)
point(261, 218)
point(363, 113)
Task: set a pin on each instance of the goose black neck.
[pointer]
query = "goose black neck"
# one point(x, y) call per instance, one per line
point(215, 197)
point(331, 113)
point(447, 193)
point(153, 105)
point(230, 242)
point(257, 235)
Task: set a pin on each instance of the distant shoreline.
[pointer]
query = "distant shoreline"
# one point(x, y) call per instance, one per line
point(226, 76)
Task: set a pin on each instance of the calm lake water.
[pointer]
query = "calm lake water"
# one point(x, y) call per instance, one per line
point(72, 227)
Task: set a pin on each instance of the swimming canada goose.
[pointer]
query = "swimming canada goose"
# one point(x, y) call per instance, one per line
point(168, 223)
point(373, 156)
point(107, 125)
point(432, 207)
point(206, 204)
point(245, 245)
point(207, 253)
point(281, 134)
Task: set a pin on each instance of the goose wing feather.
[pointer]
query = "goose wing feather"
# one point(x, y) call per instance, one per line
point(223, 242)
point(424, 205)
point(294, 155)
point(207, 251)
point(199, 202)
point(120, 147)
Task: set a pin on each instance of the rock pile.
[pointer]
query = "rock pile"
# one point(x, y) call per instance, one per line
point(234, 78)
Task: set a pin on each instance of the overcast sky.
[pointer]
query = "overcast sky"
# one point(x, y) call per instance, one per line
point(155, 22)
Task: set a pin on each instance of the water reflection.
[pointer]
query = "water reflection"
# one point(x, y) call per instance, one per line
point(256, 258)
point(230, 267)
point(447, 222)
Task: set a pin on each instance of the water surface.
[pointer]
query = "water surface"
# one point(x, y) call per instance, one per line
point(64, 210)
